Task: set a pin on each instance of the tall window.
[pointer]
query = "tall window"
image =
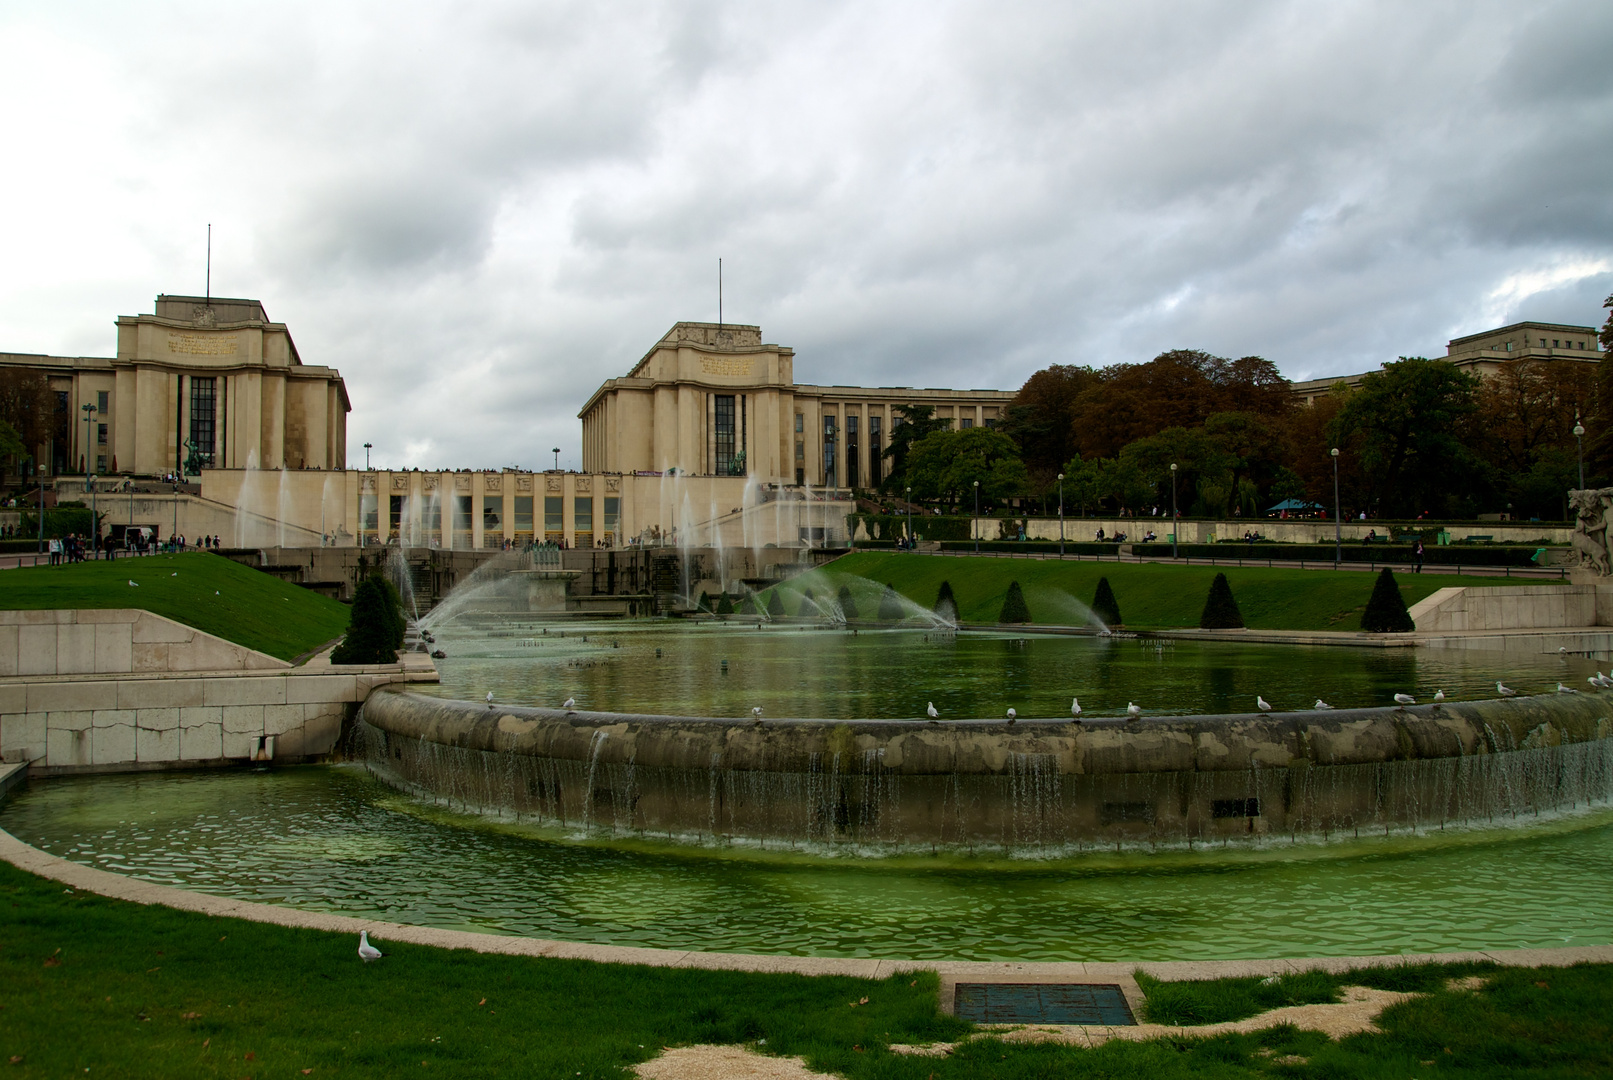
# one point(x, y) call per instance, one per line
point(397, 513)
point(554, 517)
point(725, 434)
point(613, 517)
point(851, 451)
point(492, 521)
point(874, 463)
point(829, 428)
point(582, 514)
point(523, 515)
point(103, 398)
point(100, 434)
point(202, 416)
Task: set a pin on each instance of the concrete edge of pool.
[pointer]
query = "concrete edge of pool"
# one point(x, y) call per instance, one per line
point(120, 887)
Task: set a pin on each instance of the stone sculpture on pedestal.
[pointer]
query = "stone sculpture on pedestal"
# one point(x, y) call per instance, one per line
point(1593, 515)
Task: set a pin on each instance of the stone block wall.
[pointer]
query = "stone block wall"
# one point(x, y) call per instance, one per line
point(1513, 607)
point(113, 641)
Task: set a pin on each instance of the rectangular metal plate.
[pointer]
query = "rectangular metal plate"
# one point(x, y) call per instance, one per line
point(1042, 1003)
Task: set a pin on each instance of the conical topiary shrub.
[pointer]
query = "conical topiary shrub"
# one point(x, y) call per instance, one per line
point(725, 606)
point(1104, 604)
point(394, 607)
point(808, 606)
point(1014, 609)
point(747, 606)
point(848, 606)
point(890, 606)
point(371, 627)
point(1386, 611)
point(946, 605)
point(1220, 609)
point(775, 605)
point(705, 602)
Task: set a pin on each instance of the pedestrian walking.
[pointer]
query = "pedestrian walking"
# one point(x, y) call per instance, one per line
point(1417, 553)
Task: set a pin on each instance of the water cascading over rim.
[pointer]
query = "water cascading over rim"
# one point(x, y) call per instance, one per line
point(1033, 784)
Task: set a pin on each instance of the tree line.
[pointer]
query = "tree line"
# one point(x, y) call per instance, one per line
point(1418, 437)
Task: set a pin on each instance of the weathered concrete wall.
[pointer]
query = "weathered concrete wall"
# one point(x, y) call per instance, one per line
point(990, 782)
point(114, 641)
point(1519, 607)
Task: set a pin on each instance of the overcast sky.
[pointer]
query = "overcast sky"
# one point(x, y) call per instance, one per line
point(478, 212)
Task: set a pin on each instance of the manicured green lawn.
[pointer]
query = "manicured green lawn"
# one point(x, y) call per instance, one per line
point(1151, 595)
point(116, 989)
point(208, 592)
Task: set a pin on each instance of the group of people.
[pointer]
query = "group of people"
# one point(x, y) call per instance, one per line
point(71, 548)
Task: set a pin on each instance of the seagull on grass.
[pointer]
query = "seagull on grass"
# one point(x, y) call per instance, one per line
point(1504, 691)
point(1262, 704)
point(366, 951)
point(133, 584)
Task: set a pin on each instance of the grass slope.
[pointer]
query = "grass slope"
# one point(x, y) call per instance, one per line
point(1151, 595)
point(113, 988)
point(209, 592)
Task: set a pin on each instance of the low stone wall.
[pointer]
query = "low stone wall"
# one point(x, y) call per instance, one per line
point(120, 689)
point(115, 640)
point(989, 782)
point(1512, 607)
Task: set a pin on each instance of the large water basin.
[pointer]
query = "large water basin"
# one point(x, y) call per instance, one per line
point(334, 839)
point(727, 669)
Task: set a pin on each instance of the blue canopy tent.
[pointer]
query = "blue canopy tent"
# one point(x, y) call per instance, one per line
point(1293, 505)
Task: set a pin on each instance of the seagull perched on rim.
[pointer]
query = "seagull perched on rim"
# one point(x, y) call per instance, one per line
point(1504, 691)
point(1439, 695)
point(366, 951)
point(1133, 709)
point(490, 699)
point(1262, 704)
point(1561, 689)
point(1012, 715)
point(1405, 699)
point(569, 703)
point(1320, 704)
point(1075, 706)
point(756, 713)
point(931, 710)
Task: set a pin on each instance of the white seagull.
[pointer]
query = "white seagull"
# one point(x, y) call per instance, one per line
point(1504, 691)
point(1561, 689)
point(133, 583)
point(366, 951)
point(756, 712)
point(1439, 695)
point(1012, 715)
point(1075, 706)
point(931, 709)
point(490, 699)
point(569, 703)
point(1320, 704)
point(1405, 699)
point(1262, 704)
point(1133, 709)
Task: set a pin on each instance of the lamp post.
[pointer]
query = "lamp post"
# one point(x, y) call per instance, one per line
point(367, 456)
point(89, 448)
point(1175, 526)
point(1579, 448)
point(1338, 526)
point(910, 514)
point(1061, 515)
point(974, 526)
point(557, 459)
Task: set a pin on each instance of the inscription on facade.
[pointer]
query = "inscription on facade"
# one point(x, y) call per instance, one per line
point(203, 344)
point(731, 366)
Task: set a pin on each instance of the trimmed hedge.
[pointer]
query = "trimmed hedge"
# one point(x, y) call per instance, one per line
point(1454, 554)
point(1220, 609)
point(371, 629)
point(1386, 610)
point(946, 605)
point(1105, 606)
point(1014, 607)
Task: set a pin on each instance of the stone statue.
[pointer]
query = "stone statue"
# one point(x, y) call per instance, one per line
point(1594, 514)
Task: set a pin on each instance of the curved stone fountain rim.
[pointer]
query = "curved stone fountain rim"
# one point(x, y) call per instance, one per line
point(30, 859)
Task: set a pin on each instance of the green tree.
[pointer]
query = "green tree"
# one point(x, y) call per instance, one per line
point(371, 627)
point(890, 605)
point(1220, 608)
point(848, 603)
point(1386, 609)
point(775, 605)
point(1014, 607)
point(1406, 423)
point(725, 606)
point(1105, 606)
point(947, 464)
point(913, 424)
point(1083, 483)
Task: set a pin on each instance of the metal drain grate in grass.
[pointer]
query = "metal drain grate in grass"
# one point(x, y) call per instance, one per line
point(1042, 1003)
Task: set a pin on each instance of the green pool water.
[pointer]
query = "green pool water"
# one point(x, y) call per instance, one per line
point(331, 838)
point(676, 667)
